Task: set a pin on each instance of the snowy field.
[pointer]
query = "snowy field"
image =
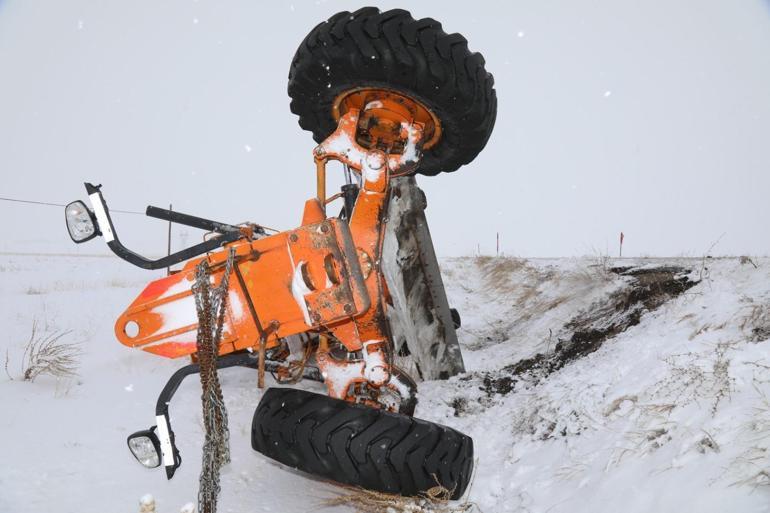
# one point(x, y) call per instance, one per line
point(582, 394)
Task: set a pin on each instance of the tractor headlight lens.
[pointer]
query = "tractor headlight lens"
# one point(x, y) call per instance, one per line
point(80, 223)
point(145, 447)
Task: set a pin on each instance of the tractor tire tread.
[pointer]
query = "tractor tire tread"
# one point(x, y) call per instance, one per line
point(360, 446)
point(390, 49)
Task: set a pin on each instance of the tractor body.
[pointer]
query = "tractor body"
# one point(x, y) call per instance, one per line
point(355, 301)
point(322, 282)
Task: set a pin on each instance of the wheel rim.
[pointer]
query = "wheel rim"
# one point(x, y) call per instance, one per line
point(390, 108)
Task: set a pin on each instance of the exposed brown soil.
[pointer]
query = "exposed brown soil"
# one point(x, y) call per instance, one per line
point(647, 289)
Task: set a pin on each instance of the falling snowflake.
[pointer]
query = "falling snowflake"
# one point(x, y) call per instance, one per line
point(607, 94)
point(247, 148)
point(520, 34)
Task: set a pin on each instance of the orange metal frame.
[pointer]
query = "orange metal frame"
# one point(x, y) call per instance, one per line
point(322, 277)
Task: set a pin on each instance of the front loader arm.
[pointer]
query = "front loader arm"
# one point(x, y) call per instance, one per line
point(293, 282)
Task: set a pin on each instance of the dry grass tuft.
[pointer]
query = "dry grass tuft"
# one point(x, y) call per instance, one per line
point(698, 376)
point(599, 267)
point(745, 260)
point(752, 467)
point(48, 353)
point(435, 500)
point(757, 322)
point(498, 272)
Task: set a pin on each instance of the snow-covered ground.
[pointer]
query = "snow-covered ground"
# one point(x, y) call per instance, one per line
point(669, 415)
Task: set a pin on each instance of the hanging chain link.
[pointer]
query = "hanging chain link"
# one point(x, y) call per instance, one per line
point(211, 305)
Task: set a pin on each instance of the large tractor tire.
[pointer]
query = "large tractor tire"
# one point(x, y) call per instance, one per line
point(359, 445)
point(415, 58)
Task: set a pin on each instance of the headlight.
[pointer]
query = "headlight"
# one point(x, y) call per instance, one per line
point(145, 447)
point(80, 222)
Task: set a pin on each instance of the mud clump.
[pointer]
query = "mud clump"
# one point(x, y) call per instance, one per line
point(498, 385)
point(648, 288)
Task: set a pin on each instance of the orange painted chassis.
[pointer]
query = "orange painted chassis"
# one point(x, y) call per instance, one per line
point(323, 277)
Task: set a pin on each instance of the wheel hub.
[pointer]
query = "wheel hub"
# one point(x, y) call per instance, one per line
point(383, 112)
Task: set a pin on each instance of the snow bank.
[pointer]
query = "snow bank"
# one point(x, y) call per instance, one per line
point(670, 414)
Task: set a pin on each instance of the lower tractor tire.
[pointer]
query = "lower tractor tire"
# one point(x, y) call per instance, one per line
point(369, 49)
point(359, 445)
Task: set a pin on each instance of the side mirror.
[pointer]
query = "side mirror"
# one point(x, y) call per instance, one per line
point(145, 447)
point(81, 223)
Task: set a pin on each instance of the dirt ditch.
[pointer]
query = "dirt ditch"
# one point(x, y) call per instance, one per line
point(647, 289)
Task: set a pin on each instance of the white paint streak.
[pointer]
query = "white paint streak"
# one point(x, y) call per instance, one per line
point(166, 448)
point(177, 314)
point(237, 310)
point(181, 286)
point(299, 289)
point(101, 217)
point(187, 337)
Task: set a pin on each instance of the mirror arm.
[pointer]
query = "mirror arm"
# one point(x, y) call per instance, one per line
point(173, 460)
point(166, 434)
point(105, 226)
point(172, 259)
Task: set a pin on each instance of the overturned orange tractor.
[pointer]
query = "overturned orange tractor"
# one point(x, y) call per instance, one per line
point(341, 300)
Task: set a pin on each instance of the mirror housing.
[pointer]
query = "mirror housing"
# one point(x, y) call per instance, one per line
point(145, 446)
point(81, 222)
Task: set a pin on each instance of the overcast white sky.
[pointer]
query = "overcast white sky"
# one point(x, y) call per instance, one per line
point(651, 117)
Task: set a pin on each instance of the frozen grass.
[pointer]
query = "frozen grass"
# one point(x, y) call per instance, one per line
point(756, 322)
point(665, 407)
point(48, 353)
point(500, 272)
point(699, 377)
point(435, 500)
point(80, 286)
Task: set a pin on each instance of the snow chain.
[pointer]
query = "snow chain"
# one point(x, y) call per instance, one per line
point(211, 305)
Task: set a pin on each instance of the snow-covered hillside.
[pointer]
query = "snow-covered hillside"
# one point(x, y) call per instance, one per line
point(592, 385)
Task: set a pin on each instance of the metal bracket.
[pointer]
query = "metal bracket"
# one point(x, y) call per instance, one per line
point(170, 454)
point(227, 233)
